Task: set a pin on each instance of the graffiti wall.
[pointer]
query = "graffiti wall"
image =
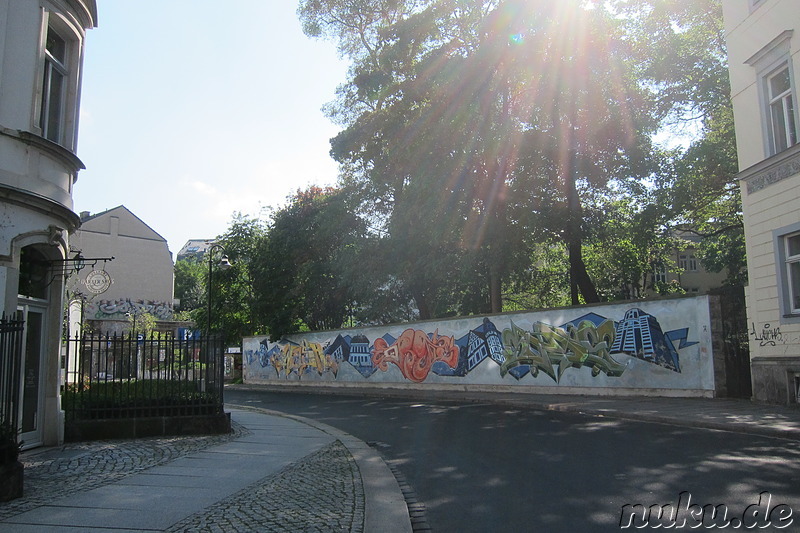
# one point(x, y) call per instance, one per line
point(664, 344)
point(120, 309)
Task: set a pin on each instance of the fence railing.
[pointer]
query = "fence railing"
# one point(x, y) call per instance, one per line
point(11, 332)
point(126, 376)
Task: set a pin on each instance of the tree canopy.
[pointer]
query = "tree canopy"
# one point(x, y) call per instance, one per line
point(298, 277)
point(501, 154)
point(463, 121)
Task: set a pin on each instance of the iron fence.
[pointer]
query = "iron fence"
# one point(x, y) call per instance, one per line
point(11, 332)
point(127, 376)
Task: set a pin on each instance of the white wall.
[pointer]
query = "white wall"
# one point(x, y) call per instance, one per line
point(580, 364)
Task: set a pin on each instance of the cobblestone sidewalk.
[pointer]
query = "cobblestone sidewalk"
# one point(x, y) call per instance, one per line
point(321, 493)
point(82, 466)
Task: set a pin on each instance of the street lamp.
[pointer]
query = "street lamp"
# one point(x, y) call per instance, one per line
point(224, 264)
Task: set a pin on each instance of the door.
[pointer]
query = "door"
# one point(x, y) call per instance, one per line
point(31, 390)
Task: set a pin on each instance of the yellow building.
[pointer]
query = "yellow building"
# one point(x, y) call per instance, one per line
point(763, 39)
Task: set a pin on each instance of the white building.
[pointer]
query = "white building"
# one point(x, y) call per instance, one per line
point(41, 54)
point(194, 249)
point(763, 38)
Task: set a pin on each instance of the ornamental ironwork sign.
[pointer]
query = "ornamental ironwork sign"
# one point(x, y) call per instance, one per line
point(97, 281)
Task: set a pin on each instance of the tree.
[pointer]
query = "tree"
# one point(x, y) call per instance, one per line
point(189, 284)
point(141, 324)
point(629, 241)
point(708, 200)
point(233, 302)
point(684, 60)
point(545, 283)
point(297, 272)
point(481, 140)
point(459, 115)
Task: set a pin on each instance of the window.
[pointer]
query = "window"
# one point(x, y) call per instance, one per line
point(792, 266)
point(659, 274)
point(54, 87)
point(55, 116)
point(773, 66)
point(786, 242)
point(782, 120)
point(688, 262)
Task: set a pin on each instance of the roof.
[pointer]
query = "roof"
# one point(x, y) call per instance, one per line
point(195, 247)
point(120, 211)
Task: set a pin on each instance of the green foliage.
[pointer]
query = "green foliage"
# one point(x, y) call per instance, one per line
point(544, 284)
point(233, 301)
point(682, 57)
point(298, 273)
point(141, 323)
point(629, 238)
point(494, 156)
point(190, 283)
point(456, 134)
point(127, 399)
point(708, 199)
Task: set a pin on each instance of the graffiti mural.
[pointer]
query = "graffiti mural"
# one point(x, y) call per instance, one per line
point(119, 309)
point(414, 353)
point(640, 335)
point(590, 344)
point(290, 359)
point(553, 350)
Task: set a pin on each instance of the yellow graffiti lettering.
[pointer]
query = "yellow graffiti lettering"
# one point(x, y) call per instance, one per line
point(302, 358)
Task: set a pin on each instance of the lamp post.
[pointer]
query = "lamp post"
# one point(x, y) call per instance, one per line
point(224, 264)
point(133, 314)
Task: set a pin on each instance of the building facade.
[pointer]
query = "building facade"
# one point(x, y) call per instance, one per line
point(138, 280)
point(41, 54)
point(685, 269)
point(194, 249)
point(763, 39)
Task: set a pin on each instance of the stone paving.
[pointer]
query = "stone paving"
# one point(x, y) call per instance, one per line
point(322, 493)
point(82, 466)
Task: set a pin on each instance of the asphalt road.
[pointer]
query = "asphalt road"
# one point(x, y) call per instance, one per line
point(481, 467)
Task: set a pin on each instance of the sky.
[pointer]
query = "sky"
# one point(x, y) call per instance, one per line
point(192, 110)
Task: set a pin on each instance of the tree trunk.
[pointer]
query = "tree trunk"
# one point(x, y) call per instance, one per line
point(579, 281)
point(579, 277)
point(423, 305)
point(495, 292)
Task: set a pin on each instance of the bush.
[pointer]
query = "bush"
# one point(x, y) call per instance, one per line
point(129, 399)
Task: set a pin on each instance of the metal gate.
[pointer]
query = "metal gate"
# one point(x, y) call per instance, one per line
point(11, 335)
point(735, 343)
